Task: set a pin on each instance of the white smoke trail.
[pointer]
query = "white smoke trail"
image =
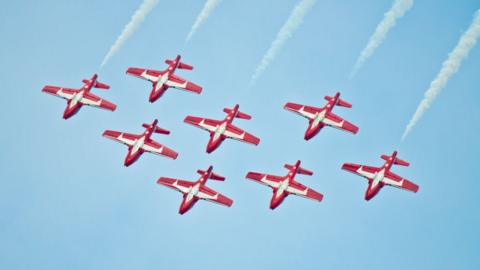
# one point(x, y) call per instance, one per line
point(287, 30)
point(130, 28)
point(449, 67)
point(209, 6)
point(398, 9)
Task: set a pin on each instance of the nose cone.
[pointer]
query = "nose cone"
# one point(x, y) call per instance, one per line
point(67, 115)
point(70, 111)
point(371, 192)
point(274, 204)
point(185, 206)
point(183, 209)
point(130, 159)
point(153, 96)
point(311, 132)
point(308, 135)
point(212, 145)
point(369, 195)
point(276, 200)
point(211, 148)
point(156, 94)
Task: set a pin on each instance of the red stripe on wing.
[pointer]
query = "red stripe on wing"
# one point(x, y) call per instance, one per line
point(173, 183)
point(50, 89)
point(221, 199)
point(296, 108)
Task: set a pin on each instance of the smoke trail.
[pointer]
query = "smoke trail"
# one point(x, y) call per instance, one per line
point(130, 28)
point(398, 9)
point(287, 30)
point(449, 67)
point(209, 6)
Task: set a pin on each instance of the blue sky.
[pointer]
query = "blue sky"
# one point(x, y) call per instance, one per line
point(67, 202)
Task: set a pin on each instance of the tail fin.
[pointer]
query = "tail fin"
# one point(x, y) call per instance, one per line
point(300, 170)
point(239, 114)
point(213, 175)
point(157, 129)
point(340, 102)
point(181, 65)
point(397, 161)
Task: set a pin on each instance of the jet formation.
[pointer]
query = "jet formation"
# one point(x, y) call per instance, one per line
point(219, 131)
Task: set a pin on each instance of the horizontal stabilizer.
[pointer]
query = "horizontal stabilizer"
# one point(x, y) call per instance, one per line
point(213, 175)
point(97, 84)
point(185, 66)
point(181, 65)
point(340, 102)
point(161, 131)
point(300, 170)
point(157, 129)
point(343, 103)
point(397, 161)
point(101, 85)
point(239, 114)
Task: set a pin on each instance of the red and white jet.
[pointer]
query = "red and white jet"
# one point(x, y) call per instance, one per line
point(381, 176)
point(138, 144)
point(76, 98)
point(220, 130)
point(285, 185)
point(163, 79)
point(194, 191)
point(320, 117)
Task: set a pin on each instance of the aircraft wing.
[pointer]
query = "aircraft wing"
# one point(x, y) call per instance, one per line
point(211, 195)
point(178, 82)
point(207, 124)
point(93, 100)
point(272, 181)
point(158, 149)
point(182, 186)
point(301, 190)
point(236, 133)
point(125, 138)
point(336, 121)
point(394, 180)
point(146, 74)
point(66, 93)
point(303, 110)
point(362, 170)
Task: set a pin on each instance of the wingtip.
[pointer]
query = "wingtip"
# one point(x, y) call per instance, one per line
point(355, 130)
point(345, 166)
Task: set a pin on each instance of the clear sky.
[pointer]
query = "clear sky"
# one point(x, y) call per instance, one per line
point(67, 202)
